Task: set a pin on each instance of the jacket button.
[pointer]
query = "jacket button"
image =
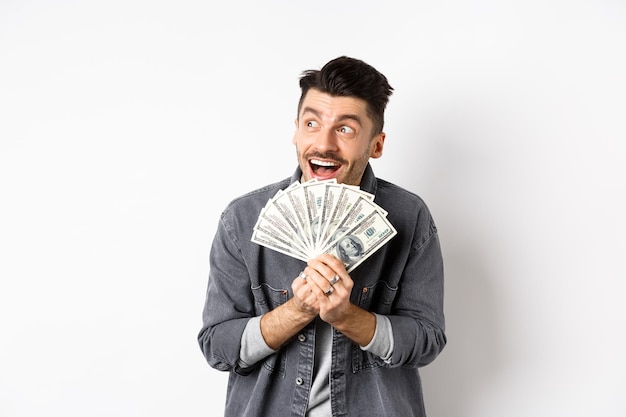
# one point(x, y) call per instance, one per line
point(299, 381)
point(301, 337)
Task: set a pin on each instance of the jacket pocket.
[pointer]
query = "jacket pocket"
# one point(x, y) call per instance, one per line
point(267, 298)
point(364, 361)
point(377, 297)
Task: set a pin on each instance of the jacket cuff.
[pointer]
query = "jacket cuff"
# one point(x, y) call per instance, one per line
point(382, 342)
point(253, 347)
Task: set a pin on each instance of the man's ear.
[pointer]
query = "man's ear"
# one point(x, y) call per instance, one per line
point(295, 122)
point(376, 148)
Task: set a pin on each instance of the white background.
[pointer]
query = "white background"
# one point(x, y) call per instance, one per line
point(127, 126)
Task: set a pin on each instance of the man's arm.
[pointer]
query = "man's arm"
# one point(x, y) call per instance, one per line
point(286, 320)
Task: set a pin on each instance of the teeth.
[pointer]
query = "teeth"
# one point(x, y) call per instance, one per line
point(322, 163)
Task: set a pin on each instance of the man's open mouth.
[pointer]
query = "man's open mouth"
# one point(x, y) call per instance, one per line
point(322, 168)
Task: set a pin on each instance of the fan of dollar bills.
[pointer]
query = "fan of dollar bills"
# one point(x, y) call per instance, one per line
point(316, 217)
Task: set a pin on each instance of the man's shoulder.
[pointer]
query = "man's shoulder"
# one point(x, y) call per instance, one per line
point(406, 209)
point(388, 192)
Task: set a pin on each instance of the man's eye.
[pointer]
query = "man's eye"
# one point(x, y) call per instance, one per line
point(312, 123)
point(346, 130)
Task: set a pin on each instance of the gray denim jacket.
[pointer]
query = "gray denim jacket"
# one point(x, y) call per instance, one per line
point(403, 280)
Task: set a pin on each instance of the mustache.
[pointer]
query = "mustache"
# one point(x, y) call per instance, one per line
point(327, 155)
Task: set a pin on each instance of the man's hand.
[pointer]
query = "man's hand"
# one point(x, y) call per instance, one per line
point(303, 298)
point(331, 285)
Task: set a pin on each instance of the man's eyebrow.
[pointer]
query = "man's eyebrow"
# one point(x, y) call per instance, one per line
point(341, 118)
point(354, 117)
point(307, 109)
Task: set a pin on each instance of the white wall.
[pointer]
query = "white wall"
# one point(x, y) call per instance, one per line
point(126, 126)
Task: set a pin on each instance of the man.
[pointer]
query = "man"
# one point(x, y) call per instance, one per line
point(310, 339)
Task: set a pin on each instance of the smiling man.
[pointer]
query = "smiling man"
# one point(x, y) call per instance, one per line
point(309, 339)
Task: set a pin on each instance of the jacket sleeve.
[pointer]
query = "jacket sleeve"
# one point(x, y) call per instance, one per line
point(229, 303)
point(418, 318)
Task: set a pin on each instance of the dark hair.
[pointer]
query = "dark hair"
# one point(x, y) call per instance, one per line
point(350, 77)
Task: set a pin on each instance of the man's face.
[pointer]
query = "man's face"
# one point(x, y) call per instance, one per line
point(333, 138)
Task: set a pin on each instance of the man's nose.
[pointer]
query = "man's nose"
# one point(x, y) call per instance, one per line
point(326, 140)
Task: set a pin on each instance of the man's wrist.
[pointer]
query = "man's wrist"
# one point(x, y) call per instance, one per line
point(282, 323)
point(357, 324)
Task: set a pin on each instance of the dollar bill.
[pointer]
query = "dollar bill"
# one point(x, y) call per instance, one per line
point(362, 240)
point(273, 225)
point(281, 206)
point(278, 244)
point(297, 198)
point(315, 192)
